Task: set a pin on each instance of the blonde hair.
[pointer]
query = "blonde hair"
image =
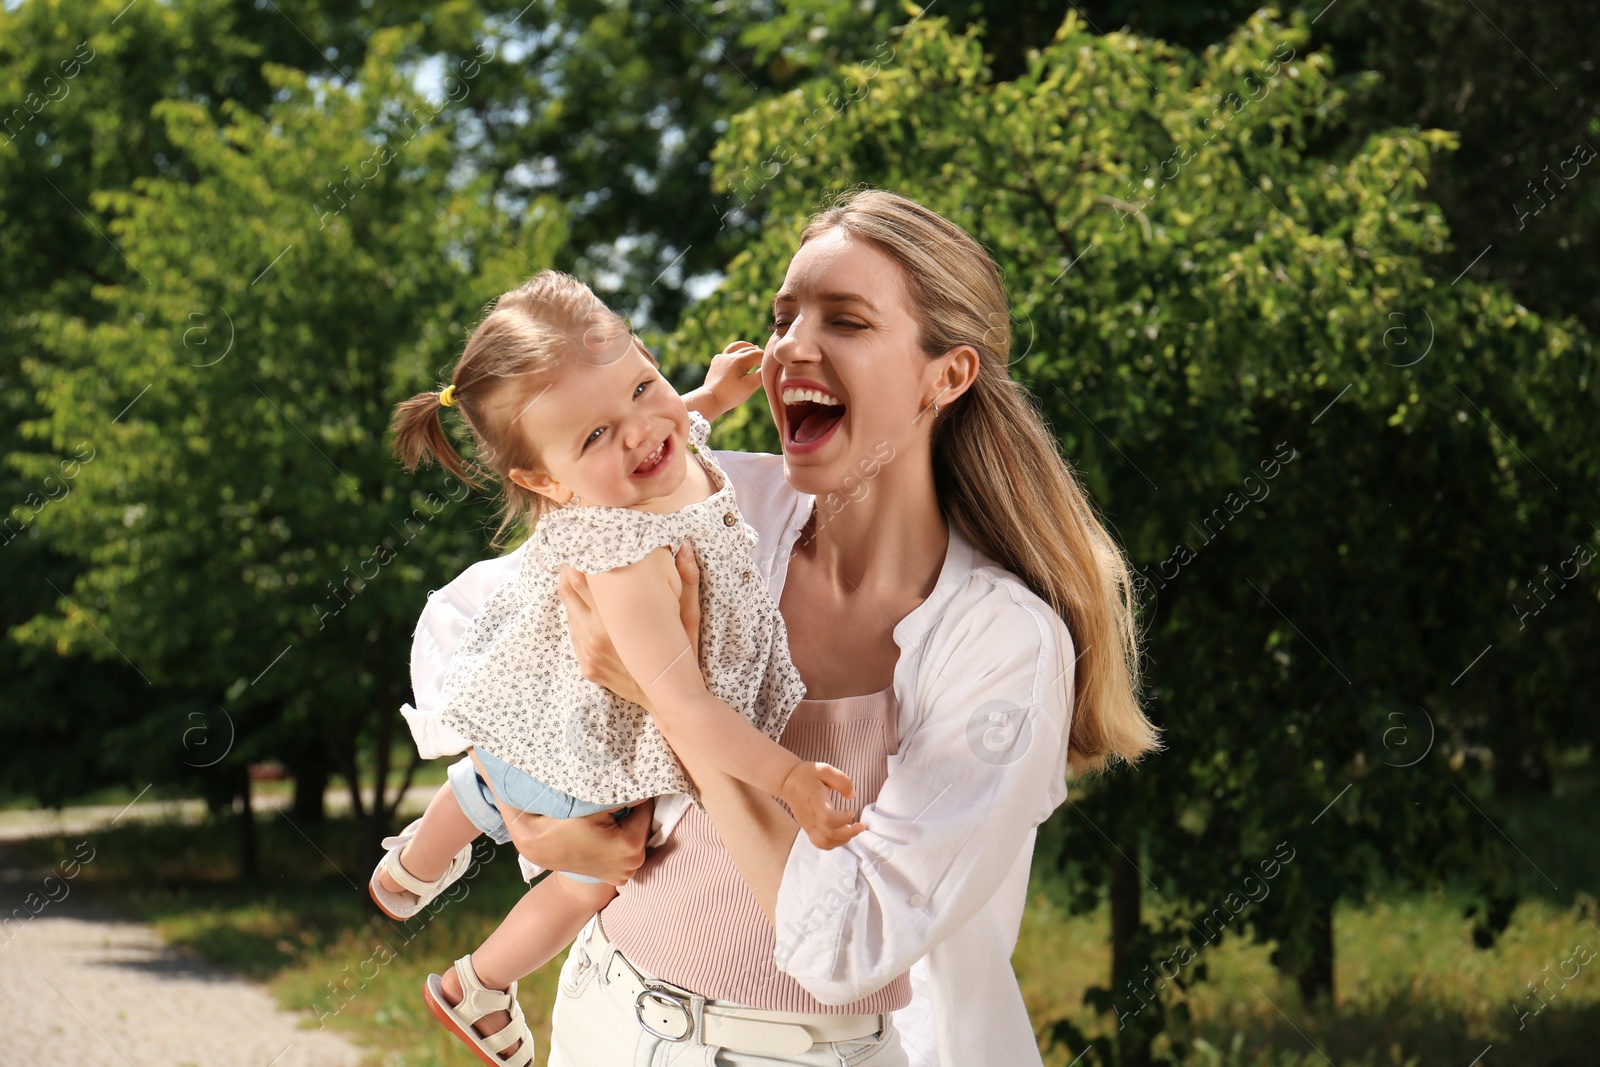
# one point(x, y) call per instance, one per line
point(999, 476)
point(513, 355)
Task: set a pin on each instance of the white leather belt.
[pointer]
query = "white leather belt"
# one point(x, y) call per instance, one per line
point(675, 1014)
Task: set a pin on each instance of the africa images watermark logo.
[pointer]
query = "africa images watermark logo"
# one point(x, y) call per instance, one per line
point(999, 733)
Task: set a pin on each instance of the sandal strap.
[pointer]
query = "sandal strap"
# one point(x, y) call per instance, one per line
point(523, 1057)
point(404, 878)
point(514, 1031)
point(503, 1039)
point(477, 1000)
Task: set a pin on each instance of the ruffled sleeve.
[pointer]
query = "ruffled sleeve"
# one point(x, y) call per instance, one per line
point(699, 430)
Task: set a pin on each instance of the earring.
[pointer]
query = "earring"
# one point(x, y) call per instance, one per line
point(936, 409)
point(573, 501)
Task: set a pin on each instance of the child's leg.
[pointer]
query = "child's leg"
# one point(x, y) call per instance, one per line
point(545, 921)
point(444, 830)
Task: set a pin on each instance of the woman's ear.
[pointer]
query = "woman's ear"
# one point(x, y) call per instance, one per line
point(541, 483)
point(951, 375)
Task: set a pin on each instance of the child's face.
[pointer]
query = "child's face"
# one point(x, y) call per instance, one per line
point(613, 433)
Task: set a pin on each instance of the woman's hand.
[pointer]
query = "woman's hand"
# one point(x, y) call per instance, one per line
point(808, 791)
point(597, 845)
point(596, 655)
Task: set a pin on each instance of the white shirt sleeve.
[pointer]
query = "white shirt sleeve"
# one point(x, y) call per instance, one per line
point(982, 765)
point(449, 612)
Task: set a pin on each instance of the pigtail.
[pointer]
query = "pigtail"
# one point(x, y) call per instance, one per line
point(419, 438)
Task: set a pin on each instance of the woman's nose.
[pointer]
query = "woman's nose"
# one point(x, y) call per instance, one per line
point(797, 345)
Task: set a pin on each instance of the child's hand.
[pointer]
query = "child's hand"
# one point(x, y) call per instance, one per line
point(806, 792)
point(732, 380)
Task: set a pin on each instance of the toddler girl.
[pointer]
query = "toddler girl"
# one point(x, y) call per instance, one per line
point(591, 445)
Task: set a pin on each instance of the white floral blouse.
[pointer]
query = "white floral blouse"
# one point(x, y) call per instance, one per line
point(514, 685)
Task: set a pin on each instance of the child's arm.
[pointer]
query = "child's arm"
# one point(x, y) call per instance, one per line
point(641, 614)
point(732, 379)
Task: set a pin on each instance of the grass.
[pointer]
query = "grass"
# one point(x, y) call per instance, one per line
point(1412, 988)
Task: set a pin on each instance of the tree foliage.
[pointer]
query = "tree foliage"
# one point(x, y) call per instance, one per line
point(246, 532)
point(1324, 459)
point(1351, 461)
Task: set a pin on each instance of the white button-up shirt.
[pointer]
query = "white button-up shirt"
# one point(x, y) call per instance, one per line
point(938, 881)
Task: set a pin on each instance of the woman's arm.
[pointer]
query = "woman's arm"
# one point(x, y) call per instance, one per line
point(948, 824)
point(981, 767)
point(756, 831)
point(641, 614)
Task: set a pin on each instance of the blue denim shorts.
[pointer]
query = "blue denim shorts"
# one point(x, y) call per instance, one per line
point(519, 790)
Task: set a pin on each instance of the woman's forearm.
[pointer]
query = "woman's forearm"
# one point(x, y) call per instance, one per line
point(757, 833)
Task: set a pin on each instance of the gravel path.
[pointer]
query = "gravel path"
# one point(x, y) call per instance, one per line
point(79, 984)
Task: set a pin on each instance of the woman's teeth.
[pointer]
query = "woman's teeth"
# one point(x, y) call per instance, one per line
point(814, 396)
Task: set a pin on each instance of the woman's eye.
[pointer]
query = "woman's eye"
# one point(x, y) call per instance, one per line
point(639, 391)
point(779, 324)
point(846, 324)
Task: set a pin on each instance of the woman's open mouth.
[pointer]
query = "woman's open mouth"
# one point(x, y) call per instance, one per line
point(810, 416)
point(656, 461)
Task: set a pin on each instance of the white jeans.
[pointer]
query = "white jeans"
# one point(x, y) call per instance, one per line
point(594, 1028)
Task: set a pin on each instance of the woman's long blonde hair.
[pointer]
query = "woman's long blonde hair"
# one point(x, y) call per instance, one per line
point(999, 475)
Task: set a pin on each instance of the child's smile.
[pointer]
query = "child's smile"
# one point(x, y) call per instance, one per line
point(656, 462)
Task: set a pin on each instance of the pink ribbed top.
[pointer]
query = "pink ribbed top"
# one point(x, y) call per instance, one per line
point(689, 918)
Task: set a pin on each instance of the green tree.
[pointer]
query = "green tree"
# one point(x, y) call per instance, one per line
point(1304, 437)
point(78, 81)
point(244, 530)
point(612, 110)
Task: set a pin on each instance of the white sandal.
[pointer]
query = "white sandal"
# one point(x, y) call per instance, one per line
point(477, 1000)
point(402, 906)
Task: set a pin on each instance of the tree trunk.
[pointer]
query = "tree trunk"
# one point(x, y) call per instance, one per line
point(1316, 977)
point(1520, 770)
point(249, 843)
point(1133, 1042)
point(310, 783)
point(371, 828)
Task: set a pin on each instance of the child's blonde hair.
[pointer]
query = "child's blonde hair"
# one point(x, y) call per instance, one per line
point(511, 358)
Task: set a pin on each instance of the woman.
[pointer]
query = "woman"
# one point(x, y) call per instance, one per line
point(953, 605)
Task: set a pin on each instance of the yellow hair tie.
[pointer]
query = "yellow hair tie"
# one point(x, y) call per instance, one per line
point(447, 396)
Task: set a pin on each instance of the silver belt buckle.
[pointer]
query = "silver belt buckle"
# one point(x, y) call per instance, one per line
point(663, 997)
